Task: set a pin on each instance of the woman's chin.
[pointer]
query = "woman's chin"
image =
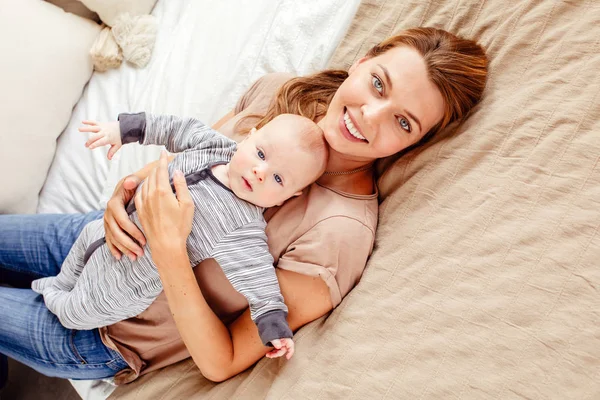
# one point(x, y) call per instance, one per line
point(349, 152)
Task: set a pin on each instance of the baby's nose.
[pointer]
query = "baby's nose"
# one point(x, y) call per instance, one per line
point(259, 173)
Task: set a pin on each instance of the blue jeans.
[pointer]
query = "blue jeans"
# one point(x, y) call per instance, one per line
point(31, 247)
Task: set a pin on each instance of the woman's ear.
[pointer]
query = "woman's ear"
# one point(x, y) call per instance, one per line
point(357, 63)
point(253, 130)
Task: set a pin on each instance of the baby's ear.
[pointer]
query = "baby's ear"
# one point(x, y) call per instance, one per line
point(294, 195)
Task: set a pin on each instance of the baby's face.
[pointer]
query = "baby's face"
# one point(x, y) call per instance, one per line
point(271, 165)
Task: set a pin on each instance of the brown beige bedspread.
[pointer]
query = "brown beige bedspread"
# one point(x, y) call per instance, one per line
point(485, 280)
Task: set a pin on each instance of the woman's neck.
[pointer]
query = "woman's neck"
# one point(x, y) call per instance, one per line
point(338, 175)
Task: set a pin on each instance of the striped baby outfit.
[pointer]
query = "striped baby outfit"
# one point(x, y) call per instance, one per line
point(94, 289)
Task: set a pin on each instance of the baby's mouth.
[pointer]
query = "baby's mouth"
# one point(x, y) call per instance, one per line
point(247, 184)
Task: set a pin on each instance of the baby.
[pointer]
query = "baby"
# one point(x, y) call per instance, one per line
point(230, 185)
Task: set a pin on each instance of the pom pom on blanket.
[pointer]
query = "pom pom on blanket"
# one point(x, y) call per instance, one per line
point(136, 36)
point(105, 51)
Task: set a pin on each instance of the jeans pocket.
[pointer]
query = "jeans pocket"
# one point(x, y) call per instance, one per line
point(78, 356)
point(88, 349)
point(117, 364)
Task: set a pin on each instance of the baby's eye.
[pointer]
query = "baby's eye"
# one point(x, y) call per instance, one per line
point(404, 124)
point(377, 84)
point(260, 154)
point(278, 179)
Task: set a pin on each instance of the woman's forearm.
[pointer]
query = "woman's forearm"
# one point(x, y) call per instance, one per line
point(207, 339)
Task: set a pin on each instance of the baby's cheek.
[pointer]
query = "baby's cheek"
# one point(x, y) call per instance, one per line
point(275, 195)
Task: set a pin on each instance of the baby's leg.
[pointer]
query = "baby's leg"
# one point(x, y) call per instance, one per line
point(106, 292)
point(73, 265)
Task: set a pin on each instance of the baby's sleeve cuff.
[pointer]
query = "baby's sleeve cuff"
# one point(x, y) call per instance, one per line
point(133, 127)
point(273, 325)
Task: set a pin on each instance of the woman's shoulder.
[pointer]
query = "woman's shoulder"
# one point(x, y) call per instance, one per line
point(321, 209)
point(324, 233)
point(262, 91)
point(330, 206)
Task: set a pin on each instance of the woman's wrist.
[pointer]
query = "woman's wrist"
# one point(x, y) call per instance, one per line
point(169, 253)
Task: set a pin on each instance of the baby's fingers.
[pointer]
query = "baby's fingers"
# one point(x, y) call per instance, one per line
point(276, 353)
point(93, 129)
point(93, 138)
point(291, 348)
point(102, 141)
point(113, 149)
point(283, 346)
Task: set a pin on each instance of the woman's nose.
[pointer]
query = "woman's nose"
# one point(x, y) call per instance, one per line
point(374, 112)
point(259, 173)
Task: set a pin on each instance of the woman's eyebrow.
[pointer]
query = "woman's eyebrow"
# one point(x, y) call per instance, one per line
point(411, 115)
point(389, 82)
point(387, 75)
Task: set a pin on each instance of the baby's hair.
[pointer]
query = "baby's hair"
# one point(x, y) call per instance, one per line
point(311, 136)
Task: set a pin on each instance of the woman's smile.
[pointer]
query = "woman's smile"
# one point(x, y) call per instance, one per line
point(349, 128)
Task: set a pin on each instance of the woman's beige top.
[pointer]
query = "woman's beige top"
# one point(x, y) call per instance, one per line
point(323, 233)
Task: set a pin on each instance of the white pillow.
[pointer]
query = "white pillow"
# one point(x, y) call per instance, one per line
point(109, 10)
point(45, 65)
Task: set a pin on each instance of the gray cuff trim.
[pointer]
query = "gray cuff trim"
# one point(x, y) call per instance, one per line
point(273, 325)
point(133, 127)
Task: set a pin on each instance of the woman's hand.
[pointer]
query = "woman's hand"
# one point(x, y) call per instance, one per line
point(165, 216)
point(118, 227)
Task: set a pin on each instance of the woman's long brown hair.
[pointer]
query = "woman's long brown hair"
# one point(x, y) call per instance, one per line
point(457, 66)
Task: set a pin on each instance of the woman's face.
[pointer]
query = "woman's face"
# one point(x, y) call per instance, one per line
point(387, 104)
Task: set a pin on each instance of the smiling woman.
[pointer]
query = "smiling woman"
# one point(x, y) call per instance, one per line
point(390, 102)
point(396, 97)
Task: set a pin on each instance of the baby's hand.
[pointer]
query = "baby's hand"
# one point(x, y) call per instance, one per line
point(102, 134)
point(282, 346)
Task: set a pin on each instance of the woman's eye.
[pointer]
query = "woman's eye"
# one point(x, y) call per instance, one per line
point(377, 84)
point(261, 155)
point(404, 124)
point(278, 179)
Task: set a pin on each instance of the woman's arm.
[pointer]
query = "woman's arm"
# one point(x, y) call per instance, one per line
point(221, 352)
point(218, 351)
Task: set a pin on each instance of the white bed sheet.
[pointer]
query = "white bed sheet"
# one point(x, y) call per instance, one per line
point(206, 54)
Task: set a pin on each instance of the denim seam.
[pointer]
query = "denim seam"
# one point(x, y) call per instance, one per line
point(74, 348)
point(46, 362)
point(115, 364)
point(108, 364)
